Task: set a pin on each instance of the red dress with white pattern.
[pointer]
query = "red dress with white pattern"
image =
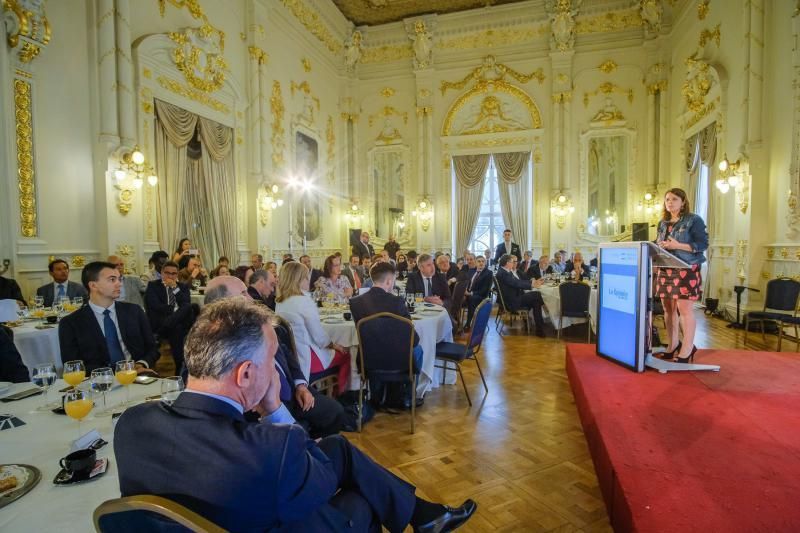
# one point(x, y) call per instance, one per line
point(678, 283)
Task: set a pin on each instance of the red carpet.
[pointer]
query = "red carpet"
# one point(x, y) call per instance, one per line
point(694, 451)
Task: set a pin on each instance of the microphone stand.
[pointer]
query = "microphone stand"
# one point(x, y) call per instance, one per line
point(739, 289)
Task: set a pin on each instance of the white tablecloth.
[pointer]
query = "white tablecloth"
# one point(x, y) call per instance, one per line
point(197, 298)
point(41, 442)
point(38, 346)
point(552, 299)
point(431, 328)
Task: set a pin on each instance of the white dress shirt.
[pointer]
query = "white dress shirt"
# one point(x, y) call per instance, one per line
point(98, 315)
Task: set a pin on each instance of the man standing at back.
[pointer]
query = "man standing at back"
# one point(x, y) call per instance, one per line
point(507, 247)
point(201, 452)
point(364, 248)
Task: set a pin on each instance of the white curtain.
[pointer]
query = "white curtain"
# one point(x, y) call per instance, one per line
point(692, 167)
point(512, 168)
point(470, 171)
point(197, 196)
point(707, 144)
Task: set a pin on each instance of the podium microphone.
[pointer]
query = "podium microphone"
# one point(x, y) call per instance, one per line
point(739, 289)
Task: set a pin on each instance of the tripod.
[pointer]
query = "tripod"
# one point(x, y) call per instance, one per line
point(739, 289)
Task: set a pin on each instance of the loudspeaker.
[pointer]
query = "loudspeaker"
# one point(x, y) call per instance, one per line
point(640, 231)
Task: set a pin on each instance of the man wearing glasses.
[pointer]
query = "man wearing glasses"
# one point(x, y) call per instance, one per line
point(169, 308)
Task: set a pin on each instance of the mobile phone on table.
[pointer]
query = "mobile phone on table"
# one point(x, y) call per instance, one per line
point(22, 395)
point(144, 380)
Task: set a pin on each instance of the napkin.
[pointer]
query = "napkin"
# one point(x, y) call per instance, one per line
point(10, 422)
point(8, 310)
point(84, 441)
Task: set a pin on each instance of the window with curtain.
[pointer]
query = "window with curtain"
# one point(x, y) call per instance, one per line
point(489, 228)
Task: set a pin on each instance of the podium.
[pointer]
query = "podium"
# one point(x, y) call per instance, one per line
point(661, 258)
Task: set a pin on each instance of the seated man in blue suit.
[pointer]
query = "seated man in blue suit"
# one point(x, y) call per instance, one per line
point(61, 286)
point(201, 452)
point(478, 288)
point(514, 291)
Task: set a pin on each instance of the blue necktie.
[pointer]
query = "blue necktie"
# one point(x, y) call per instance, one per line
point(428, 290)
point(61, 292)
point(286, 389)
point(112, 339)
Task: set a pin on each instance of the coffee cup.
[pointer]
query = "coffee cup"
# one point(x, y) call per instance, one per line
point(80, 461)
point(347, 316)
point(52, 319)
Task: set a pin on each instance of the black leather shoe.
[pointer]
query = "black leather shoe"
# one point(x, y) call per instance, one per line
point(451, 519)
point(407, 403)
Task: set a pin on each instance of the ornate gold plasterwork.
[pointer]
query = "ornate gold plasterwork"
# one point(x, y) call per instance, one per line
point(193, 94)
point(490, 70)
point(310, 19)
point(561, 98)
point(28, 52)
point(699, 115)
point(492, 119)
point(608, 66)
point(607, 88)
point(387, 92)
point(741, 258)
point(490, 38)
point(26, 21)
point(330, 137)
point(386, 53)
point(124, 199)
point(490, 86)
point(424, 110)
point(490, 143)
point(707, 36)
point(25, 173)
point(608, 114)
point(350, 117)
point(306, 62)
point(78, 261)
point(697, 85)
point(702, 9)
point(388, 111)
point(193, 6)
point(257, 54)
point(277, 109)
point(198, 55)
point(606, 22)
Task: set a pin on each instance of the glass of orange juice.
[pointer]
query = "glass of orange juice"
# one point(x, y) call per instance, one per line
point(77, 404)
point(125, 374)
point(74, 372)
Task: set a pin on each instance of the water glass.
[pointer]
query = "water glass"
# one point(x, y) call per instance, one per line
point(22, 312)
point(196, 284)
point(171, 388)
point(44, 376)
point(77, 302)
point(102, 381)
point(38, 301)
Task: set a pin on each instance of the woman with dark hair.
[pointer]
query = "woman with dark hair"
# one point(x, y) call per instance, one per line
point(243, 272)
point(684, 235)
point(184, 245)
point(332, 281)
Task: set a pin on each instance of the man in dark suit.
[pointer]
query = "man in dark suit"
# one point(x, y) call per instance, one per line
point(11, 366)
point(169, 308)
point(540, 269)
point(315, 272)
point(106, 331)
point(525, 265)
point(480, 283)
point(264, 475)
point(507, 247)
point(61, 286)
point(317, 413)
point(446, 268)
point(262, 288)
point(428, 282)
point(513, 290)
point(354, 273)
point(364, 248)
point(9, 290)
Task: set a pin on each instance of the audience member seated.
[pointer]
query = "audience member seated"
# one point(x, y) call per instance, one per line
point(363, 248)
point(272, 267)
point(190, 269)
point(332, 281)
point(480, 283)
point(381, 299)
point(446, 269)
point(315, 349)
point(264, 475)
point(540, 269)
point(487, 253)
point(319, 414)
point(352, 270)
point(12, 369)
point(154, 266)
point(243, 272)
point(106, 331)
point(578, 270)
point(315, 272)
point(220, 270)
point(9, 290)
point(131, 288)
point(524, 266)
point(384, 255)
point(514, 291)
point(223, 261)
point(402, 266)
point(61, 286)
point(392, 247)
point(257, 262)
point(461, 264)
point(170, 311)
point(428, 282)
point(557, 265)
point(184, 248)
point(262, 288)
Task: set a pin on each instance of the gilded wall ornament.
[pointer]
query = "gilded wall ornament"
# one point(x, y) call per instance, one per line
point(491, 70)
point(422, 45)
point(487, 87)
point(491, 118)
point(651, 12)
point(706, 36)
point(492, 37)
point(353, 50)
point(608, 114)
point(258, 55)
point(697, 85)
point(198, 55)
point(25, 165)
point(278, 143)
point(26, 21)
point(608, 66)
point(607, 88)
point(193, 94)
point(562, 15)
point(77, 261)
point(608, 22)
point(306, 64)
point(330, 138)
point(193, 6)
point(388, 111)
point(310, 19)
point(387, 92)
point(702, 9)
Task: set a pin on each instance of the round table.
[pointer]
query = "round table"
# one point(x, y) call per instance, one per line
point(432, 324)
point(198, 298)
point(552, 300)
point(41, 442)
point(38, 346)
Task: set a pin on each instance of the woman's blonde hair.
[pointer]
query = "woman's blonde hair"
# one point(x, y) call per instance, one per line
point(289, 280)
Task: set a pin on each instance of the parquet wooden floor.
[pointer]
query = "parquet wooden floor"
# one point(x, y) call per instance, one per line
point(519, 452)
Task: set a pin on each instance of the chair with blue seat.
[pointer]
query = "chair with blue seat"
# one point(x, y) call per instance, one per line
point(452, 352)
point(146, 512)
point(574, 296)
point(502, 310)
point(780, 303)
point(388, 362)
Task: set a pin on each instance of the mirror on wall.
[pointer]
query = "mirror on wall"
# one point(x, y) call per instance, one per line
point(607, 170)
point(387, 186)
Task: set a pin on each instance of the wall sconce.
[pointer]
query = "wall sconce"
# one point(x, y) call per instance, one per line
point(354, 213)
point(735, 175)
point(560, 207)
point(648, 204)
point(267, 201)
point(424, 213)
point(133, 163)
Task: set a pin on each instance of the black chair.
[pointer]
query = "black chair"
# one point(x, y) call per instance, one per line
point(574, 297)
point(387, 362)
point(146, 512)
point(522, 314)
point(326, 381)
point(451, 352)
point(457, 304)
point(780, 302)
point(789, 321)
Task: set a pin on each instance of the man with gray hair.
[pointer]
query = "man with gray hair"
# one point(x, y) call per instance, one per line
point(257, 475)
point(262, 288)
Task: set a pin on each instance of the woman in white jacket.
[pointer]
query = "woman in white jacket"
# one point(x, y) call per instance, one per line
point(315, 350)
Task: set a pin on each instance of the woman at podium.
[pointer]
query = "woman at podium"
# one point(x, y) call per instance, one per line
point(684, 235)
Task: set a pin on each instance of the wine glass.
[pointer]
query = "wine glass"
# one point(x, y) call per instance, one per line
point(171, 387)
point(410, 300)
point(77, 404)
point(74, 372)
point(102, 381)
point(77, 302)
point(22, 312)
point(38, 301)
point(44, 376)
point(126, 373)
point(196, 285)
